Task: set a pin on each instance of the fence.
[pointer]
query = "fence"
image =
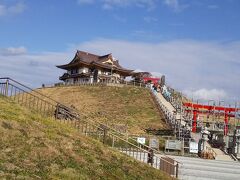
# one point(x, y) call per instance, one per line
point(78, 83)
point(169, 116)
point(27, 97)
point(47, 106)
point(179, 126)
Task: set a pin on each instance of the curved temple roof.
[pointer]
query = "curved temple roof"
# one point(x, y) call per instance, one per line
point(105, 61)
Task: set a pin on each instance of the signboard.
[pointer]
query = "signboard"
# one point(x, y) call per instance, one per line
point(154, 143)
point(173, 144)
point(141, 140)
point(193, 147)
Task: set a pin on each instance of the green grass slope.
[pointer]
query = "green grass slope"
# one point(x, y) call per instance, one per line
point(128, 106)
point(35, 148)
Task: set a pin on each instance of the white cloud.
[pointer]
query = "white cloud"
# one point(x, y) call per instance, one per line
point(147, 35)
point(110, 4)
point(149, 4)
point(175, 5)
point(172, 3)
point(17, 8)
point(156, 74)
point(209, 69)
point(12, 9)
point(34, 69)
point(206, 94)
point(2, 10)
point(13, 51)
point(186, 63)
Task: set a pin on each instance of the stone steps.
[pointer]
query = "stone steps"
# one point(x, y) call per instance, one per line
point(207, 175)
point(203, 169)
point(220, 155)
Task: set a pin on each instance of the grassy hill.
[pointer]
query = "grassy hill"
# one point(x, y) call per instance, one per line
point(128, 106)
point(37, 148)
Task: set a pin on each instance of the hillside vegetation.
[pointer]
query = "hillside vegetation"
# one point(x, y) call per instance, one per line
point(128, 106)
point(36, 148)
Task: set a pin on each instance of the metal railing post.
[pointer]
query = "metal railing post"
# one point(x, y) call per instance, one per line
point(113, 141)
point(104, 135)
point(6, 87)
point(42, 103)
point(177, 166)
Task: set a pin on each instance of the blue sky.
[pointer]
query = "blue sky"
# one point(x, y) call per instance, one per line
point(52, 25)
point(195, 43)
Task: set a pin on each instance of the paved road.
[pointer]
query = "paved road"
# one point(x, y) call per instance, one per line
point(201, 169)
point(195, 168)
point(198, 169)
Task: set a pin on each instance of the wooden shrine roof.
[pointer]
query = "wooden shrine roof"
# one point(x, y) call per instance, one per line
point(85, 58)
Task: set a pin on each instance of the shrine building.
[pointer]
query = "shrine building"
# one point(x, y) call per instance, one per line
point(90, 68)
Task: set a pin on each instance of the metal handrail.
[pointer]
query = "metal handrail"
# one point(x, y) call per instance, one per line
point(128, 83)
point(7, 78)
point(100, 122)
point(112, 132)
point(109, 128)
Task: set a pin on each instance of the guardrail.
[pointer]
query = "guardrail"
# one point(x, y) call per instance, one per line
point(120, 84)
point(27, 96)
point(47, 106)
point(169, 116)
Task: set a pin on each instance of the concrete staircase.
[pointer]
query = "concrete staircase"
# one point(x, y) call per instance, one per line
point(168, 106)
point(220, 155)
point(203, 169)
point(48, 107)
point(199, 169)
